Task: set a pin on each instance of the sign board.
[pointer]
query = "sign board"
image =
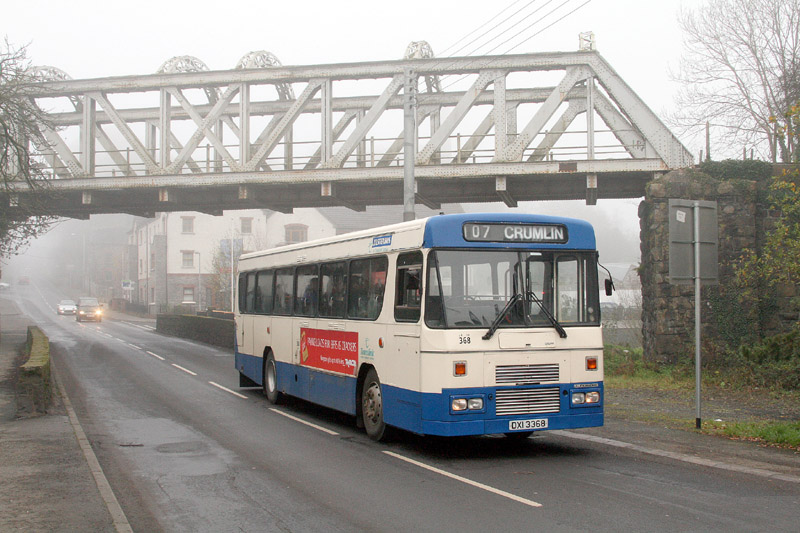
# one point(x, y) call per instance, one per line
point(681, 242)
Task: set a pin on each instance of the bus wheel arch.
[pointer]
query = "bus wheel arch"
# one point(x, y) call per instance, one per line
point(269, 378)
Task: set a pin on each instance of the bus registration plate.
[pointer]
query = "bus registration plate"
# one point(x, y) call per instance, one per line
point(534, 423)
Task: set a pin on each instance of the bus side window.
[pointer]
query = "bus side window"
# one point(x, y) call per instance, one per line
point(251, 292)
point(264, 292)
point(242, 293)
point(408, 293)
point(307, 288)
point(367, 283)
point(334, 290)
point(282, 302)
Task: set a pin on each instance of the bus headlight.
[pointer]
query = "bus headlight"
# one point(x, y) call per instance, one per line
point(466, 404)
point(578, 398)
point(592, 397)
point(459, 404)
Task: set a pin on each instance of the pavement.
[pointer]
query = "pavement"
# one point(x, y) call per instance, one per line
point(49, 483)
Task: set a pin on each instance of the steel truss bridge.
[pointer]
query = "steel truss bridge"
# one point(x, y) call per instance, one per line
point(545, 126)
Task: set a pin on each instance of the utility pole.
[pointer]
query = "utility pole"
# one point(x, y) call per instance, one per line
point(409, 143)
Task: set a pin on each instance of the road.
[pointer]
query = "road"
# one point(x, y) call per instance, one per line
point(186, 450)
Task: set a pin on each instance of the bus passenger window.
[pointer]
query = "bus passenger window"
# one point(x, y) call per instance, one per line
point(282, 302)
point(251, 292)
point(242, 293)
point(334, 287)
point(408, 293)
point(367, 282)
point(307, 290)
point(264, 297)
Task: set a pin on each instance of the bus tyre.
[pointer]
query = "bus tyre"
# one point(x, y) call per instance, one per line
point(271, 381)
point(372, 406)
point(519, 435)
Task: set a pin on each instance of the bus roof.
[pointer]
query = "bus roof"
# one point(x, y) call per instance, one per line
point(447, 231)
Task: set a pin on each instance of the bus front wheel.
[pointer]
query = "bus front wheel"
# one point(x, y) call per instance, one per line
point(271, 381)
point(372, 406)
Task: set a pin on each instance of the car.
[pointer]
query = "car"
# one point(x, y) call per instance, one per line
point(67, 307)
point(89, 309)
point(4, 285)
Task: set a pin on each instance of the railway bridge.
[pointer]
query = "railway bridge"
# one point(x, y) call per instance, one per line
point(543, 126)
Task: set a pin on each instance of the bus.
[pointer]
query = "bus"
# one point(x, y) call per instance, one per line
point(453, 325)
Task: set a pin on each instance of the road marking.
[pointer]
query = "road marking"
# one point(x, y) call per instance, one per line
point(179, 367)
point(134, 346)
point(118, 517)
point(155, 355)
point(481, 486)
point(762, 472)
point(226, 389)
point(287, 415)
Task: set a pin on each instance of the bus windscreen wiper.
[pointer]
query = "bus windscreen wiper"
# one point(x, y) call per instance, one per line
point(499, 318)
point(530, 296)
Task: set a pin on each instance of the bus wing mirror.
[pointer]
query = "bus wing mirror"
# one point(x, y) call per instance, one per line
point(609, 287)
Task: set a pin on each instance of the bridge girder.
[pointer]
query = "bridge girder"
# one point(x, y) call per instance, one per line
point(342, 130)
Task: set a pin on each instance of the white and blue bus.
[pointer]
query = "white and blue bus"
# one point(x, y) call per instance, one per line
point(462, 324)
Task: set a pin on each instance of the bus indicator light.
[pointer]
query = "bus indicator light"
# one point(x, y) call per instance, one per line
point(460, 368)
point(591, 363)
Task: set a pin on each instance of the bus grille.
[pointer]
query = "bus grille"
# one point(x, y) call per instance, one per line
point(525, 374)
point(527, 401)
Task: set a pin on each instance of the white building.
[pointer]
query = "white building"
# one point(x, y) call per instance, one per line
point(183, 259)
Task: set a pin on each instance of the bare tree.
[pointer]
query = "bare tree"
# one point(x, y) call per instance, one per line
point(20, 121)
point(741, 72)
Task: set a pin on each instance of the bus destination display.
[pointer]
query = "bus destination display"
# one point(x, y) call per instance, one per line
point(539, 233)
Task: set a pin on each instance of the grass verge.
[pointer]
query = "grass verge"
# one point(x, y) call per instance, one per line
point(655, 393)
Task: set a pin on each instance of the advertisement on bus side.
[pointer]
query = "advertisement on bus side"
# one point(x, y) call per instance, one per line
point(336, 351)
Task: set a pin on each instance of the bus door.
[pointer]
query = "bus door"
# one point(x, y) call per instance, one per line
point(404, 363)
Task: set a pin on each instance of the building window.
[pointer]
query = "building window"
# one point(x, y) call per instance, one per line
point(187, 224)
point(152, 261)
point(187, 259)
point(296, 233)
point(188, 294)
point(247, 225)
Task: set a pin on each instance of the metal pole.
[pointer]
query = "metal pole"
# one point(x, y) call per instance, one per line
point(409, 143)
point(697, 312)
point(232, 274)
point(199, 292)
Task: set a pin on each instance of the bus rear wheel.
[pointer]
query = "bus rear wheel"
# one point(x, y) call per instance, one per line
point(372, 406)
point(271, 381)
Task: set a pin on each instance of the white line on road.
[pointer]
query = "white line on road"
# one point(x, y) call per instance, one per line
point(154, 355)
point(481, 486)
point(226, 389)
point(287, 415)
point(134, 346)
point(118, 517)
point(681, 457)
point(179, 367)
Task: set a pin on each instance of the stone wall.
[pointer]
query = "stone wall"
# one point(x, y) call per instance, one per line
point(667, 309)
